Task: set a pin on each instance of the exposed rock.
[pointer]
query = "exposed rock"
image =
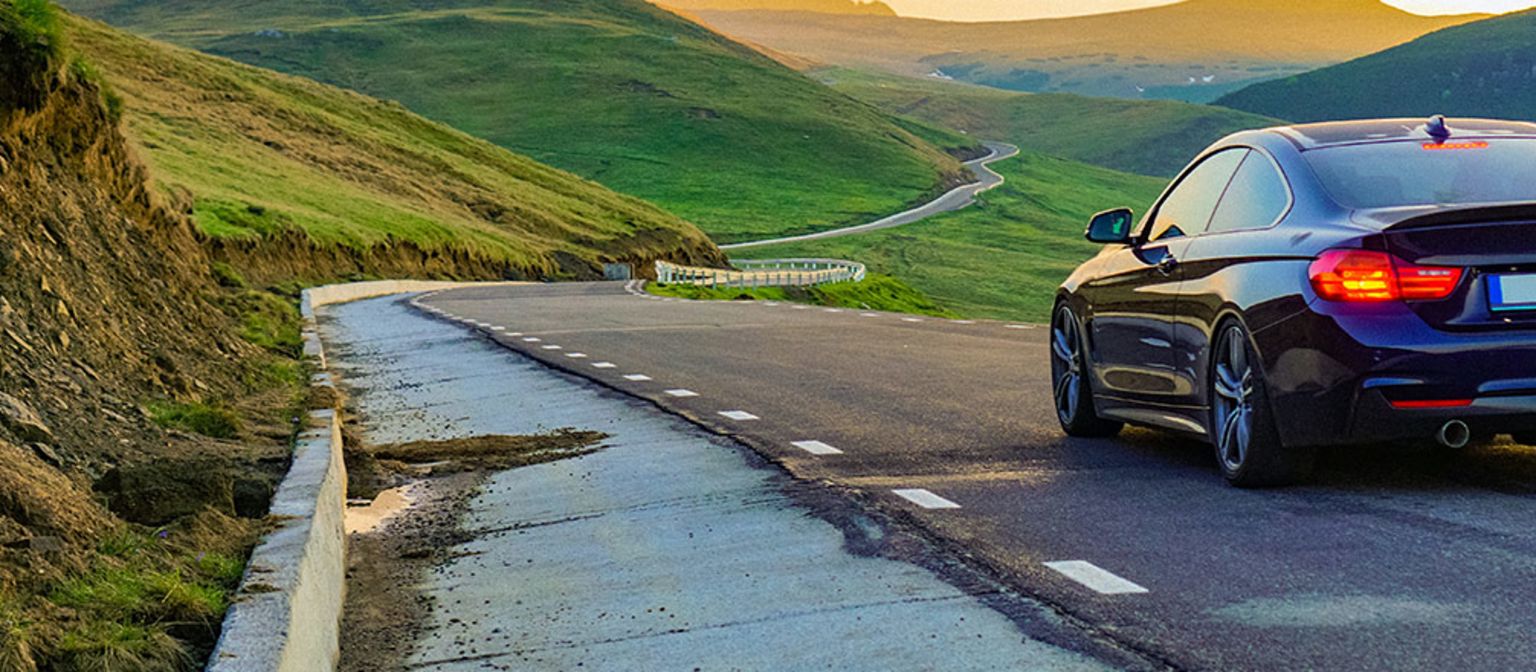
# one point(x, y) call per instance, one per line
point(22, 420)
point(47, 454)
point(167, 489)
point(45, 545)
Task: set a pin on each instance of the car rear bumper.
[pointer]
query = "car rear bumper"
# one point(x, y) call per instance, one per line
point(1333, 378)
point(1376, 420)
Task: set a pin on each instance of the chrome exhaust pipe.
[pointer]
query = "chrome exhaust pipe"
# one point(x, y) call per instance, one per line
point(1454, 435)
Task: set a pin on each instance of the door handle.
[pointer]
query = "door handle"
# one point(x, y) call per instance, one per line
point(1167, 265)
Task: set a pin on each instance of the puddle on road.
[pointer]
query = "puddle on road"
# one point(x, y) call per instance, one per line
point(368, 517)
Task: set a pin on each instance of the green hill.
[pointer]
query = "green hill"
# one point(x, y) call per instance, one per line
point(1004, 257)
point(1194, 50)
point(291, 178)
point(618, 91)
point(1482, 69)
point(1143, 137)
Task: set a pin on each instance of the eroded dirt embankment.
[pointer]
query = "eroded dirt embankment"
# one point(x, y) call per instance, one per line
point(107, 304)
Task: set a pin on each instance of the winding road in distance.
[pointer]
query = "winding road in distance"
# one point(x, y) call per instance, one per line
point(957, 198)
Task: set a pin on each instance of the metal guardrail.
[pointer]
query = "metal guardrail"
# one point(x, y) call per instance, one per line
point(763, 273)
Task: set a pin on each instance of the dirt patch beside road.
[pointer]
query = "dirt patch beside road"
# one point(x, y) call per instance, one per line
point(386, 609)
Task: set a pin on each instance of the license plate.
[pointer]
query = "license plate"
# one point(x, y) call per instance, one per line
point(1512, 292)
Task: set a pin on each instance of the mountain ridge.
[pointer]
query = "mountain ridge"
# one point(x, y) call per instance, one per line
point(1480, 69)
point(875, 8)
point(1200, 48)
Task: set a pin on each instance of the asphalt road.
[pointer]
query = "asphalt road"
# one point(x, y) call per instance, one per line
point(955, 199)
point(668, 548)
point(1395, 559)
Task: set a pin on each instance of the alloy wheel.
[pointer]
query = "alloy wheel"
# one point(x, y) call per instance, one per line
point(1233, 384)
point(1066, 364)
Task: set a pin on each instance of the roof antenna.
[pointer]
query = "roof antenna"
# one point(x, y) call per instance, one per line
point(1437, 128)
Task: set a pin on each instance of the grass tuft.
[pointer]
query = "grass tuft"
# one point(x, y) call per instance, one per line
point(227, 276)
point(38, 23)
point(117, 647)
point(15, 642)
point(212, 421)
point(153, 600)
point(269, 320)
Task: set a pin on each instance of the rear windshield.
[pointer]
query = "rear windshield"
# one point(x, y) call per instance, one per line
point(1457, 172)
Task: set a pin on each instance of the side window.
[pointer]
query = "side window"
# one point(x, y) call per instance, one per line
point(1257, 197)
point(1189, 207)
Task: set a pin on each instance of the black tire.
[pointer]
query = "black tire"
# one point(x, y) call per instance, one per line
point(1071, 386)
point(1242, 428)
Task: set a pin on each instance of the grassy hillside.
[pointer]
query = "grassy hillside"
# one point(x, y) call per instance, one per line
point(256, 157)
point(1004, 257)
point(1483, 69)
point(1194, 50)
point(618, 91)
point(1144, 137)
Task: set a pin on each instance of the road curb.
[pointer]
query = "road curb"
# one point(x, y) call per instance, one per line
point(286, 616)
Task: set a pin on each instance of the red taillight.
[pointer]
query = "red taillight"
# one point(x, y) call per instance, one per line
point(1432, 403)
point(1359, 276)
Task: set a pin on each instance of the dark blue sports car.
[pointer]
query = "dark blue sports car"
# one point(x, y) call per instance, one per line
point(1315, 285)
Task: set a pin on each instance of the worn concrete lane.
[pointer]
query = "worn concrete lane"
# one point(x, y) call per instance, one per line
point(1395, 559)
point(670, 549)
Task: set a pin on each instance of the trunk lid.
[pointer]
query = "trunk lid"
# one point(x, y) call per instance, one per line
point(1494, 245)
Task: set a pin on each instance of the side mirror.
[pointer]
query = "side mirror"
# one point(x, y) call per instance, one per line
point(1111, 227)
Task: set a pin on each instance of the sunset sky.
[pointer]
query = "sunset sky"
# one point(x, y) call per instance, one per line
point(992, 10)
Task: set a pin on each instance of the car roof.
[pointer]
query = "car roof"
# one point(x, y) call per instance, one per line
point(1365, 131)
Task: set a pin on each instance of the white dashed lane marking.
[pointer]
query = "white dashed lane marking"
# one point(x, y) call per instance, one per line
point(498, 328)
point(576, 355)
point(1096, 578)
point(551, 347)
point(1021, 326)
point(637, 377)
point(603, 365)
point(911, 319)
point(925, 499)
point(869, 315)
point(816, 448)
point(532, 339)
point(738, 415)
point(681, 393)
